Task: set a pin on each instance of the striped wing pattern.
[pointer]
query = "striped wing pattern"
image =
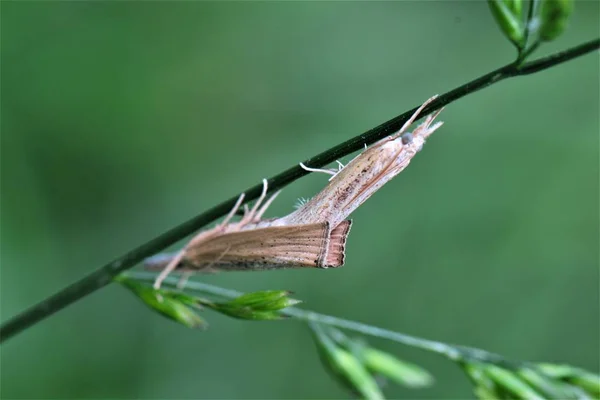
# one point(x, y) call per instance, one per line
point(308, 245)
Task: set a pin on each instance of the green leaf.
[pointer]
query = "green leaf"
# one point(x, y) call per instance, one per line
point(173, 305)
point(508, 21)
point(268, 300)
point(554, 18)
point(485, 393)
point(345, 366)
point(172, 309)
point(588, 382)
point(248, 313)
point(382, 363)
point(401, 372)
point(510, 382)
point(558, 371)
point(548, 387)
point(579, 377)
point(485, 388)
point(516, 7)
point(356, 373)
point(256, 306)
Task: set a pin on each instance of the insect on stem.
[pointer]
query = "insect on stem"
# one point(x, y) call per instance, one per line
point(354, 183)
point(315, 234)
point(246, 245)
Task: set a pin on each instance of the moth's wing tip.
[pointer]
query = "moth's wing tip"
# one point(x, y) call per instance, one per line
point(336, 252)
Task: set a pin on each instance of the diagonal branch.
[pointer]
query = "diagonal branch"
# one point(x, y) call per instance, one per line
point(104, 275)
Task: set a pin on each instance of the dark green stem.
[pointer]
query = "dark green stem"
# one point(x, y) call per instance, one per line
point(103, 276)
point(526, 53)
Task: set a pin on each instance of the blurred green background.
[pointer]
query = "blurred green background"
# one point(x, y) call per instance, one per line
point(122, 119)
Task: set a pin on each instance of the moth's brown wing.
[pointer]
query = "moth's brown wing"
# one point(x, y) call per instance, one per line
point(307, 242)
point(264, 248)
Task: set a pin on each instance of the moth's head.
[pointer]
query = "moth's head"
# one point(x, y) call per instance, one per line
point(412, 141)
point(416, 139)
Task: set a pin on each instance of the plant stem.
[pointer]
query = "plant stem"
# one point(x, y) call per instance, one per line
point(526, 50)
point(104, 275)
point(452, 352)
point(531, 11)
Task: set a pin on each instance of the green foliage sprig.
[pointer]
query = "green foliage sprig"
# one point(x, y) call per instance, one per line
point(182, 307)
point(359, 366)
point(545, 21)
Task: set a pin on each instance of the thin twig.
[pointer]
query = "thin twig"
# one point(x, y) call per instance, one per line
point(452, 352)
point(104, 275)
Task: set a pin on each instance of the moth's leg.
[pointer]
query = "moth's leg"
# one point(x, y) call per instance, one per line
point(184, 278)
point(168, 269)
point(249, 216)
point(234, 210)
point(331, 172)
point(325, 171)
point(414, 116)
point(340, 168)
point(262, 210)
point(236, 226)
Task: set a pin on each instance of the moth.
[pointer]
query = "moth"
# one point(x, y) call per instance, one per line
point(231, 246)
point(351, 185)
point(315, 234)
